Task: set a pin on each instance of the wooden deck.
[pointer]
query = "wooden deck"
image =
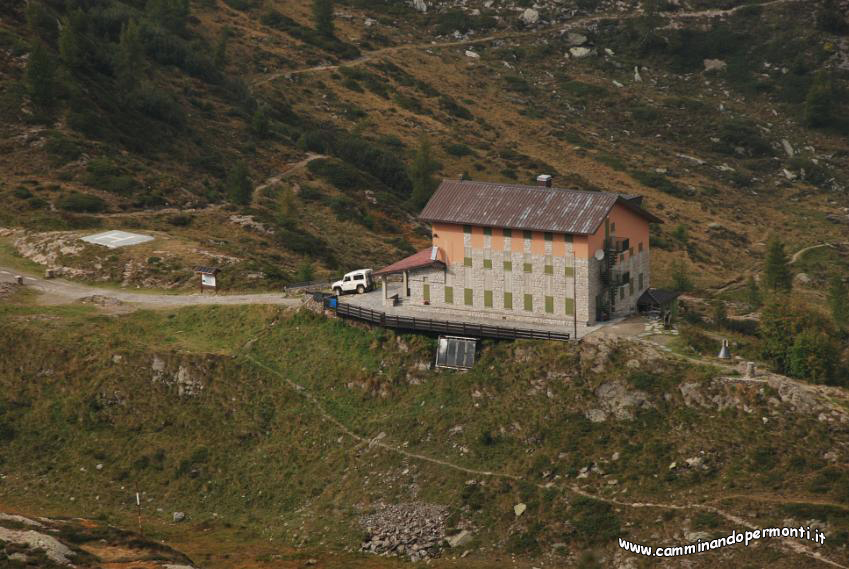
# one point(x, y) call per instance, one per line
point(456, 328)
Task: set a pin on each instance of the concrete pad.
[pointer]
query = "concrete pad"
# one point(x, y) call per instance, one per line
point(115, 239)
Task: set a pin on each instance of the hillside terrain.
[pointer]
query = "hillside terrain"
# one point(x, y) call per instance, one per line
point(318, 452)
point(246, 138)
point(283, 144)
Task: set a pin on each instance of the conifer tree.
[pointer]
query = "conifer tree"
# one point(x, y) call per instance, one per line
point(819, 103)
point(71, 39)
point(40, 78)
point(238, 184)
point(129, 59)
point(322, 11)
point(838, 300)
point(753, 293)
point(777, 275)
point(422, 172)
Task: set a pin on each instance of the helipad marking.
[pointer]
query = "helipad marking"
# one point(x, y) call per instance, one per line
point(114, 239)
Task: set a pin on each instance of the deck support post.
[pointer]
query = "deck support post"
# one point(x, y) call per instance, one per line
point(406, 283)
point(385, 288)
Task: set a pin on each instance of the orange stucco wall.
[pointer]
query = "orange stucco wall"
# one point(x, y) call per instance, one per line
point(628, 224)
point(449, 237)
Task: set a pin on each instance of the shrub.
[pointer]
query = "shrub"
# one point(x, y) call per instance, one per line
point(458, 149)
point(735, 134)
point(659, 182)
point(180, 220)
point(82, 203)
point(339, 174)
point(103, 174)
point(62, 149)
point(158, 104)
point(453, 108)
point(594, 520)
point(22, 193)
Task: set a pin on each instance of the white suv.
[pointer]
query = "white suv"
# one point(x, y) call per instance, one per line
point(358, 281)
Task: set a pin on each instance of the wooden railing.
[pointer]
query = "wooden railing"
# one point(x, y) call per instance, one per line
point(444, 326)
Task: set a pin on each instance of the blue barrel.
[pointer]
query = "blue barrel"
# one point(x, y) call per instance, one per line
point(331, 302)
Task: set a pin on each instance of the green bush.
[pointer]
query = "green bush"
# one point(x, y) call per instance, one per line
point(659, 182)
point(594, 521)
point(458, 149)
point(453, 108)
point(103, 174)
point(81, 203)
point(22, 193)
point(458, 20)
point(62, 149)
point(340, 174)
point(735, 134)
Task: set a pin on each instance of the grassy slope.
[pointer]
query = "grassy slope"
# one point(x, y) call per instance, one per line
point(275, 470)
point(544, 113)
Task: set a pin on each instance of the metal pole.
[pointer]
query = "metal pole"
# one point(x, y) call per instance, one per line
point(138, 506)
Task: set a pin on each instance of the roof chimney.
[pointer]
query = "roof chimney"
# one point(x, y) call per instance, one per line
point(544, 180)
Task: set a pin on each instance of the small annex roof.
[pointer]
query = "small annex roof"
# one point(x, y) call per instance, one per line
point(207, 270)
point(429, 257)
point(659, 296)
point(533, 208)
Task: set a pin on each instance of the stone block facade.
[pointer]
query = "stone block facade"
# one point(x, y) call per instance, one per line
point(524, 286)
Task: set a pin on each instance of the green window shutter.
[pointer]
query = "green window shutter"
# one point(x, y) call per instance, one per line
point(621, 293)
point(528, 234)
point(508, 301)
point(567, 238)
point(549, 237)
point(487, 299)
point(529, 267)
point(570, 306)
point(549, 304)
point(507, 232)
point(468, 296)
point(487, 263)
point(487, 231)
point(508, 266)
point(641, 281)
point(426, 292)
point(549, 269)
point(640, 247)
point(529, 302)
point(467, 261)
point(630, 287)
point(449, 295)
point(467, 229)
point(569, 272)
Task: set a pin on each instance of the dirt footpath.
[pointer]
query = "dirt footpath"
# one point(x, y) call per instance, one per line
point(59, 291)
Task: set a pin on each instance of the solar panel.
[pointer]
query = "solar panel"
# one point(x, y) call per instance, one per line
point(455, 352)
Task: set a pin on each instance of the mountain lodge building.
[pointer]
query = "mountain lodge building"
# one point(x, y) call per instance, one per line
point(531, 254)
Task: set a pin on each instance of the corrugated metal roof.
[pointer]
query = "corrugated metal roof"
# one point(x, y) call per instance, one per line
point(423, 258)
point(533, 208)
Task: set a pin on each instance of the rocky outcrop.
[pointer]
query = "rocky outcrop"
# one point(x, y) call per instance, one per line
point(618, 402)
point(414, 530)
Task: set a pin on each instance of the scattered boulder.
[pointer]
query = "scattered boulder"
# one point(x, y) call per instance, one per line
point(460, 539)
point(529, 16)
point(178, 517)
point(574, 39)
point(788, 148)
point(519, 509)
point(580, 52)
point(714, 65)
point(420, 6)
point(803, 279)
point(472, 54)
